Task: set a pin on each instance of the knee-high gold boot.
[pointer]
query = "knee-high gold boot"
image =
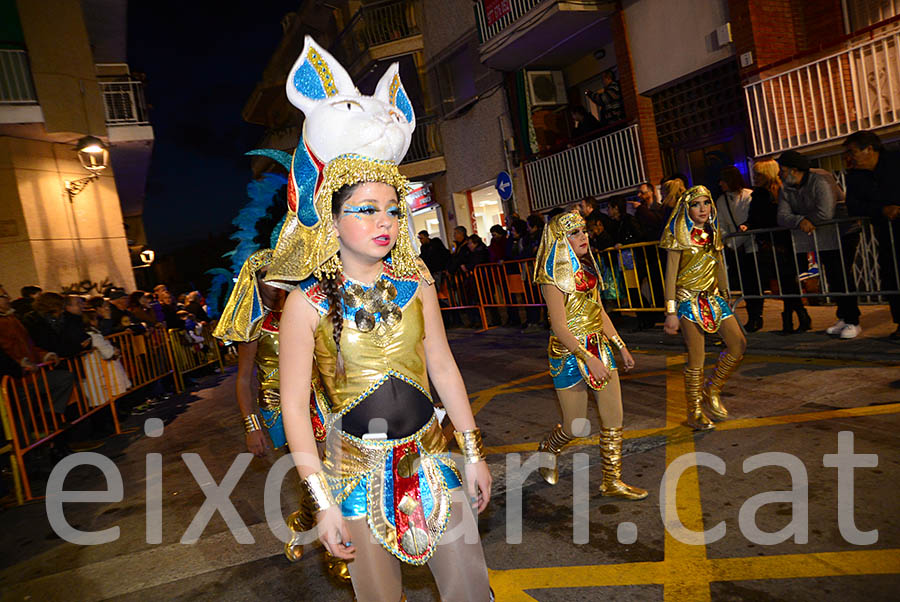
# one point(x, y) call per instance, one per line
point(712, 401)
point(693, 394)
point(553, 443)
point(301, 521)
point(611, 451)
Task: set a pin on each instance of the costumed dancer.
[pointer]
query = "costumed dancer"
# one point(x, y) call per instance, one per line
point(366, 310)
point(695, 281)
point(250, 319)
point(580, 355)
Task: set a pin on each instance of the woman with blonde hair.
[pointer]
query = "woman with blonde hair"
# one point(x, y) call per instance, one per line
point(771, 248)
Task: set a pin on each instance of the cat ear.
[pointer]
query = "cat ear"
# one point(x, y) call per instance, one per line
point(316, 76)
point(390, 90)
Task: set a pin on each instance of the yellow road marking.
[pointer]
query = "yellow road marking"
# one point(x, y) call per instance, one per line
point(686, 572)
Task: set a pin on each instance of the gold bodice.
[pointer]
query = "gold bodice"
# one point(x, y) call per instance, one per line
point(696, 271)
point(584, 312)
point(392, 348)
point(267, 361)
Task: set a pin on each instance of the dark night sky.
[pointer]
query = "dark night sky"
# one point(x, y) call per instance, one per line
point(201, 67)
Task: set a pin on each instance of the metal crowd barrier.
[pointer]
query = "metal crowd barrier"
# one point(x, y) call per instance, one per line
point(774, 265)
point(27, 414)
point(634, 275)
point(189, 354)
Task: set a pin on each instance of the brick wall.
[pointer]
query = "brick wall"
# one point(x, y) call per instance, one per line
point(636, 105)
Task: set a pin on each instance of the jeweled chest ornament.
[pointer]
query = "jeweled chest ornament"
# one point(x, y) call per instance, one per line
point(379, 299)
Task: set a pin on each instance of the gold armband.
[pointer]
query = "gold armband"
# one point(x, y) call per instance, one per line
point(618, 342)
point(670, 307)
point(581, 353)
point(470, 445)
point(319, 492)
point(251, 423)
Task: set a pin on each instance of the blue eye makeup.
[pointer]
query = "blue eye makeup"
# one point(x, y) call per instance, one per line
point(394, 212)
point(359, 211)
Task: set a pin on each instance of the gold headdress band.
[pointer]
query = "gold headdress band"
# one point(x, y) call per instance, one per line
point(556, 261)
point(677, 233)
point(244, 311)
point(313, 251)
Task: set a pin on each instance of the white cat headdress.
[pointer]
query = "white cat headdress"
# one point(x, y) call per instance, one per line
point(347, 138)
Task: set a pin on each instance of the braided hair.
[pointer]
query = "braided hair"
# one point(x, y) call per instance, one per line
point(331, 285)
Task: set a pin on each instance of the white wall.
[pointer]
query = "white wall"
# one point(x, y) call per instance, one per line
point(672, 38)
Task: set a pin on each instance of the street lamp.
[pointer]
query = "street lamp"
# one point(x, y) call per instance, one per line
point(93, 156)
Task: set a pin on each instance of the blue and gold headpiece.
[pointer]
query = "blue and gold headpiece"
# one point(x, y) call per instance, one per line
point(556, 261)
point(244, 311)
point(676, 235)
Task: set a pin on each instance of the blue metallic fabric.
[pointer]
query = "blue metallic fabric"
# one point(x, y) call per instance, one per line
point(355, 504)
point(305, 174)
point(717, 304)
point(565, 372)
point(283, 158)
point(276, 431)
point(308, 82)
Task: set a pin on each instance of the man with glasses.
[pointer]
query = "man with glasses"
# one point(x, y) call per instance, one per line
point(873, 192)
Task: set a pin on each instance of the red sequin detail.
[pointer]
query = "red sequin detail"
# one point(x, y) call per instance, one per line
point(700, 237)
point(407, 487)
point(705, 310)
point(584, 280)
point(593, 347)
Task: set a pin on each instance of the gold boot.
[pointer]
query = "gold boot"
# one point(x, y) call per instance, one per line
point(611, 450)
point(693, 393)
point(712, 401)
point(337, 568)
point(553, 443)
point(298, 522)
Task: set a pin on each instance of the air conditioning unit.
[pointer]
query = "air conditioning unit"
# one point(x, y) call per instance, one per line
point(546, 88)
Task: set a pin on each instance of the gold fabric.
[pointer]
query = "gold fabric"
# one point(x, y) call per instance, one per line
point(238, 322)
point(697, 271)
point(556, 262)
point(370, 358)
point(676, 235)
point(313, 251)
point(267, 368)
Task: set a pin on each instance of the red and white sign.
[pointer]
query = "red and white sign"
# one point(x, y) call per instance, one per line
point(419, 196)
point(494, 10)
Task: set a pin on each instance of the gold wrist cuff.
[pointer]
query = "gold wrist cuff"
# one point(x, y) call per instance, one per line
point(581, 353)
point(670, 307)
point(319, 491)
point(618, 342)
point(470, 445)
point(251, 423)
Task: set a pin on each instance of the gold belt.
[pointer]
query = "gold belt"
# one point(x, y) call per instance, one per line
point(269, 399)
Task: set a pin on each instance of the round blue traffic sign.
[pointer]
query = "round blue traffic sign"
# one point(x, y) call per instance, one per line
point(504, 186)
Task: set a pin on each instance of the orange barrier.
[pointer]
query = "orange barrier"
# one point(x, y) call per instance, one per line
point(27, 414)
point(458, 291)
point(189, 354)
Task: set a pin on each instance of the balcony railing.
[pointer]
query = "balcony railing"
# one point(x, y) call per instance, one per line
point(856, 89)
point(493, 16)
point(373, 25)
point(599, 167)
point(16, 87)
point(124, 102)
point(426, 141)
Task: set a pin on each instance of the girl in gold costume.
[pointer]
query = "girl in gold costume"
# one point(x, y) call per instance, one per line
point(366, 310)
point(579, 351)
point(695, 279)
point(251, 318)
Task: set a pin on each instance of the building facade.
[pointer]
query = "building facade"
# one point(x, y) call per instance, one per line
point(64, 76)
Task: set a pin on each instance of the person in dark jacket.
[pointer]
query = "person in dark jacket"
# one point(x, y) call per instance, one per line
point(46, 327)
point(460, 255)
point(873, 191)
point(433, 253)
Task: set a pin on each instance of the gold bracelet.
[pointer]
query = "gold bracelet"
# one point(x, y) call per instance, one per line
point(319, 491)
point(581, 353)
point(618, 342)
point(251, 423)
point(670, 307)
point(470, 445)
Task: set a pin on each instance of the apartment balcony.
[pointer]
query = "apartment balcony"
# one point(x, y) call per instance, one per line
point(517, 33)
point(18, 100)
point(824, 100)
point(378, 32)
point(127, 118)
point(425, 156)
point(600, 167)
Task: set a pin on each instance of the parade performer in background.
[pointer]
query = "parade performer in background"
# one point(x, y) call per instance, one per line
point(581, 358)
point(250, 319)
point(365, 308)
point(695, 283)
